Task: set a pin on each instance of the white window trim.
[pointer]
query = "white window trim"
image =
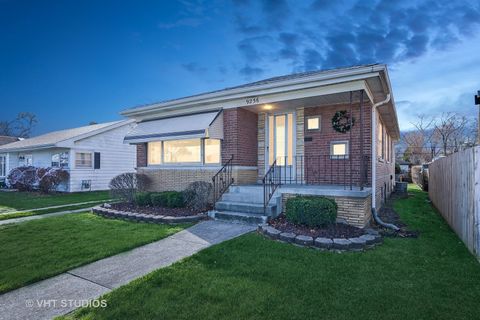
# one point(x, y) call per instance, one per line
point(319, 122)
point(83, 168)
point(200, 163)
point(347, 150)
point(3, 164)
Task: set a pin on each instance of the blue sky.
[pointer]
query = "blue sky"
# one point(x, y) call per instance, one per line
point(72, 62)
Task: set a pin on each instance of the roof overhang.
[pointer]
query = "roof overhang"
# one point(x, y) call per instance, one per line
point(373, 80)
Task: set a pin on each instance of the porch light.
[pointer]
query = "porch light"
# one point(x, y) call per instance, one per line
point(267, 107)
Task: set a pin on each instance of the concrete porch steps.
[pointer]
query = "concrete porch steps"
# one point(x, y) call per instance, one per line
point(245, 204)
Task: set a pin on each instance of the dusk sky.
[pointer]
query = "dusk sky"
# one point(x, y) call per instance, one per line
point(75, 62)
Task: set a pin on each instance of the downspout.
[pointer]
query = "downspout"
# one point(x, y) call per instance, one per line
point(374, 165)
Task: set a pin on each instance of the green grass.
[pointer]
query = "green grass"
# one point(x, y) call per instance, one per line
point(14, 201)
point(23, 214)
point(431, 277)
point(38, 249)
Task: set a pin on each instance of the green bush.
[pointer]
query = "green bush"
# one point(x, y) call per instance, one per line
point(311, 211)
point(143, 199)
point(168, 199)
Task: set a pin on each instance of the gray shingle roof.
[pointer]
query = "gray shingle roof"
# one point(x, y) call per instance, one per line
point(260, 82)
point(52, 138)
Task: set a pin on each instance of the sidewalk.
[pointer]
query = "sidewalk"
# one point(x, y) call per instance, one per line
point(56, 207)
point(100, 277)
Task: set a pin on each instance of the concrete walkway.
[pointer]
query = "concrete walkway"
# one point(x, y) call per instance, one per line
point(41, 216)
point(60, 295)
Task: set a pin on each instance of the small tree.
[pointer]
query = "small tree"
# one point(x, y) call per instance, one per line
point(126, 185)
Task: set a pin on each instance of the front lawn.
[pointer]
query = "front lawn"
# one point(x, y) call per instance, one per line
point(431, 277)
point(14, 201)
point(35, 250)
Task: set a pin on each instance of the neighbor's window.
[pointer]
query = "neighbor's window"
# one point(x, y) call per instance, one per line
point(154, 152)
point(182, 151)
point(83, 160)
point(313, 123)
point(3, 166)
point(212, 151)
point(60, 160)
point(25, 160)
point(339, 150)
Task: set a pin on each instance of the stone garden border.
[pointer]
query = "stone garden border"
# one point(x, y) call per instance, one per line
point(141, 217)
point(366, 241)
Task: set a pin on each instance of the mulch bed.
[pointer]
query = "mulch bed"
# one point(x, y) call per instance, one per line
point(173, 212)
point(337, 230)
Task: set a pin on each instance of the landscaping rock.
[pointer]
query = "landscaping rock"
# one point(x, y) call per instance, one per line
point(341, 244)
point(304, 240)
point(287, 236)
point(261, 227)
point(272, 232)
point(371, 231)
point(358, 243)
point(323, 243)
point(369, 239)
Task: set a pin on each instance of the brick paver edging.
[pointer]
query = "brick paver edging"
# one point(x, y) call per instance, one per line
point(361, 243)
point(141, 217)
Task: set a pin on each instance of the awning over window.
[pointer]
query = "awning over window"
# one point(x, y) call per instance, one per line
point(200, 125)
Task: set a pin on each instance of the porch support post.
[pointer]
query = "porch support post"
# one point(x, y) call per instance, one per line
point(362, 156)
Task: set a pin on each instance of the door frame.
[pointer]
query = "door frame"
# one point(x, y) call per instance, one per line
point(294, 138)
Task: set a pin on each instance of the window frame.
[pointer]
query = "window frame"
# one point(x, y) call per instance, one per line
point(319, 117)
point(347, 150)
point(202, 162)
point(60, 159)
point(3, 166)
point(91, 160)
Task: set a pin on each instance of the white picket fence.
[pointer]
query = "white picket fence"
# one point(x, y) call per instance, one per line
point(454, 188)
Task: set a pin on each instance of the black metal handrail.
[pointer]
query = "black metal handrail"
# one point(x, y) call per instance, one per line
point(271, 181)
point(222, 180)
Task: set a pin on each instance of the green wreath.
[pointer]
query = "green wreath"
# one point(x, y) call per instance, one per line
point(342, 121)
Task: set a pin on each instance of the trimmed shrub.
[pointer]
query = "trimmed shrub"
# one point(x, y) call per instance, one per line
point(51, 178)
point(311, 211)
point(168, 199)
point(23, 178)
point(126, 185)
point(198, 195)
point(143, 199)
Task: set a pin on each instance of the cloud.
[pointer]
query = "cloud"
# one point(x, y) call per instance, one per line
point(194, 67)
point(184, 22)
point(330, 34)
point(249, 71)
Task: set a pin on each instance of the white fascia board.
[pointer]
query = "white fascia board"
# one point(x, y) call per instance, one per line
point(264, 97)
point(288, 85)
point(28, 149)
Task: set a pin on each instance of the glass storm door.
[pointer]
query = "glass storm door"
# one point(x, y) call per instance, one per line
point(280, 144)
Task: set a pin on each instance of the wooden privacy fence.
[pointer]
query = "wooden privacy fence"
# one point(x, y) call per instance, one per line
point(454, 188)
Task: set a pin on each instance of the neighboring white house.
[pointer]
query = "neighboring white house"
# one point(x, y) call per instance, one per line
point(93, 154)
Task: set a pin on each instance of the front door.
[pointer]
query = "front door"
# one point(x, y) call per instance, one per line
point(280, 144)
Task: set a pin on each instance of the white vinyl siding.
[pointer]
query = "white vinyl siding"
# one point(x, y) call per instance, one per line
point(116, 158)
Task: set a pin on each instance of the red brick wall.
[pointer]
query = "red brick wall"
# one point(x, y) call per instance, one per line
point(240, 136)
point(141, 155)
point(319, 168)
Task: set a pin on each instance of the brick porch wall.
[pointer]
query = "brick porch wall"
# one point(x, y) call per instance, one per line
point(330, 171)
point(240, 136)
point(354, 211)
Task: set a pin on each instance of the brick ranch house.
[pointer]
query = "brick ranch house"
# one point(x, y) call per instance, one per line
point(265, 141)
